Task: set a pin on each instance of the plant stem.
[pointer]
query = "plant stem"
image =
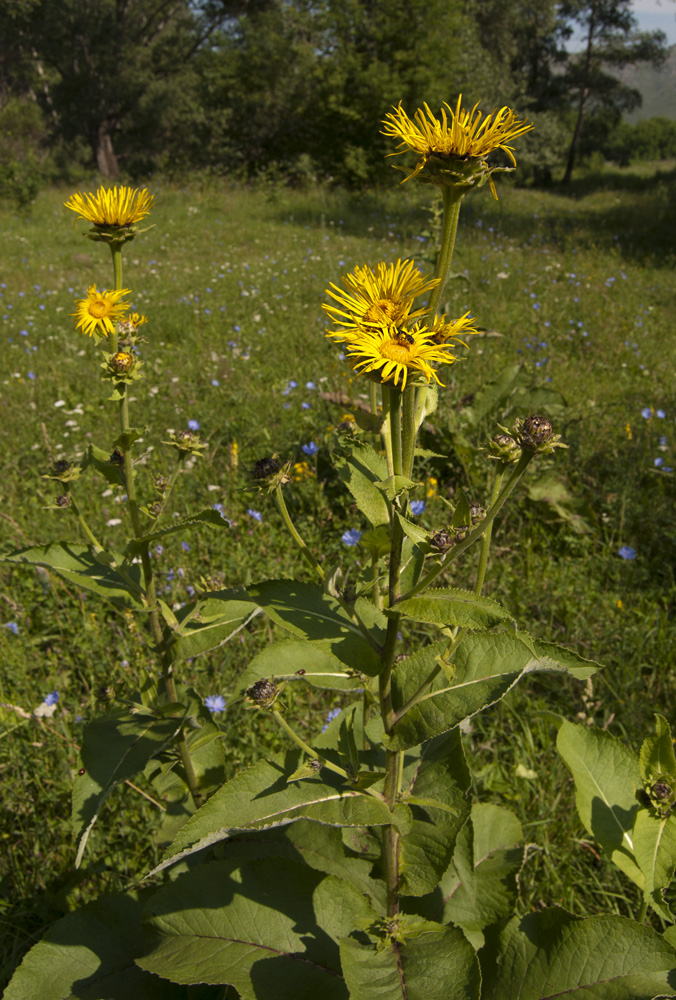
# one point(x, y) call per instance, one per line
point(486, 537)
point(452, 198)
point(116, 251)
point(477, 531)
point(643, 909)
point(373, 394)
point(394, 394)
point(307, 555)
point(408, 429)
point(386, 431)
point(85, 527)
point(310, 751)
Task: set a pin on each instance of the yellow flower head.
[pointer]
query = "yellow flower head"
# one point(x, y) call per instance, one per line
point(456, 135)
point(99, 311)
point(115, 206)
point(391, 353)
point(443, 332)
point(376, 297)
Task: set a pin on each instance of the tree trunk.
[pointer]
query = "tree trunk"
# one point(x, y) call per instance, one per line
point(572, 152)
point(106, 160)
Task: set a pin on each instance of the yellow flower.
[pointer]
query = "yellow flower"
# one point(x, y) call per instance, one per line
point(121, 206)
point(301, 471)
point(377, 297)
point(97, 313)
point(458, 135)
point(393, 353)
point(443, 332)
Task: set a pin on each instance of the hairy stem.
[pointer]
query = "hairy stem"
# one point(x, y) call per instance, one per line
point(286, 517)
point(452, 198)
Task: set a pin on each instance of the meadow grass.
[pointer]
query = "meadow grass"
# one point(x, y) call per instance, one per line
point(575, 287)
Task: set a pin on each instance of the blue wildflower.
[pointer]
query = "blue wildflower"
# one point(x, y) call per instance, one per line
point(646, 413)
point(193, 425)
point(658, 462)
point(417, 507)
point(185, 546)
point(351, 537)
point(256, 514)
point(13, 627)
point(310, 385)
point(661, 414)
point(215, 703)
point(626, 552)
point(52, 698)
point(310, 449)
point(333, 714)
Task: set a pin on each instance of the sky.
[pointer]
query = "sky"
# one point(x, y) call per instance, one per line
point(652, 15)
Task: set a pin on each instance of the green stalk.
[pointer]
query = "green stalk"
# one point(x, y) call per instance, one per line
point(409, 430)
point(486, 537)
point(477, 531)
point(373, 394)
point(386, 432)
point(452, 197)
point(116, 251)
point(307, 555)
point(395, 395)
point(85, 527)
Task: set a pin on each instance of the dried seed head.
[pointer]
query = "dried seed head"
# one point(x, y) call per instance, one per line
point(477, 513)
point(262, 693)
point(314, 765)
point(63, 501)
point(535, 435)
point(442, 540)
point(117, 457)
point(265, 467)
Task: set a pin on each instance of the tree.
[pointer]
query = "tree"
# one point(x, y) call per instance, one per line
point(611, 41)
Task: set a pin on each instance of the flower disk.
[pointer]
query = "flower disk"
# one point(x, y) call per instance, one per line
point(459, 134)
point(376, 298)
point(115, 206)
point(97, 313)
point(393, 353)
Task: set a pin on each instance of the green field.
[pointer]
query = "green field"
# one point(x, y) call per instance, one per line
point(577, 289)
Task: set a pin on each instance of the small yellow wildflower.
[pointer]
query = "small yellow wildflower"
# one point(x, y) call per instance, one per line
point(432, 491)
point(301, 471)
point(377, 297)
point(97, 313)
point(628, 431)
point(390, 353)
point(115, 206)
point(458, 135)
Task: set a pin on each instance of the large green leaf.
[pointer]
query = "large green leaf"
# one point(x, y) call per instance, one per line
point(360, 471)
point(480, 886)
point(607, 779)
point(452, 607)
point(210, 517)
point(307, 612)
point(285, 659)
point(654, 839)
point(270, 928)
point(115, 747)
point(482, 670)
point(89, 955)
point(552, 954)
point(262, 797)
point(86, 568)
point(435, 786)
point(210, 621)
point(422, 961)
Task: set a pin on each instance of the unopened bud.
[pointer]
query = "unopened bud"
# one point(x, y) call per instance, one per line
point(503, 448)
point(161, 483)
point(269, 473)
point(122, 362)
point(265, 467)
point(155, 508)
point(477, 513)
point(63, 501)
point(535, 434)
point(262, 693)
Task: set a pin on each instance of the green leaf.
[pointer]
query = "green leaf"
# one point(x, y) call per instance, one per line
point(360, 472)
point(550, 954)
point(86, 568)
point(656, 757)
point(462, 516)
point(425, 961)
point(269, 928)
point(100, 460)
point(413, 530)
point(89, 954)
point(115, 747)
point(607, 779)
point(491, 395)
point(483, 668)
point(480, 886)
point(210, 621)
point(307, 612)
point(284, 660)
point(394, 486)
point(261, 797)
point(449, 606)
point(209, 516)
point(435, 786)
point(654, 839)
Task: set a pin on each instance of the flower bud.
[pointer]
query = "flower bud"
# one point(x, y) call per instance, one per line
point(155, 508)
point(63, 471)
point(63, 501)
point(265, 467)
point(477, 513)
point(269, 473)
point(262, 693)
point(122, 362)
point(503, 448)
point(535, 434)
point(161, 483)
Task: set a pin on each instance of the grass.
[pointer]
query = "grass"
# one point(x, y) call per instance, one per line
point(575, 286)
